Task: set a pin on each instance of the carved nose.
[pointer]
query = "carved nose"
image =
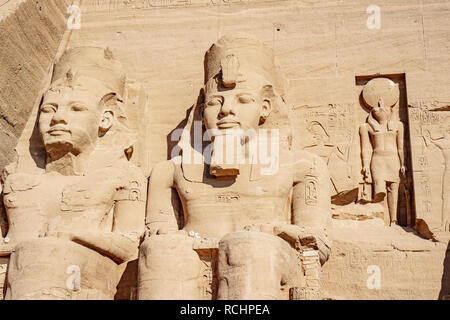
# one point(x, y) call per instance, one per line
point(59, 117)
point(226, 109)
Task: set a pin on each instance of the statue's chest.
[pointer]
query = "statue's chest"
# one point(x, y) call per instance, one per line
point(230, 191)
point(22, 191)
point(55, 194)
point(387, 137)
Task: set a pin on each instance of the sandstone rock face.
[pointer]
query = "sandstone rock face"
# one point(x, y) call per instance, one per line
point(31, 32)
point(364, 89)
point(398, 265)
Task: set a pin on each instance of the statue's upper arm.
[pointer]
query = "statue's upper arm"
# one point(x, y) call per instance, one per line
point(309, 163)
point(159, 200)
point(129, 209)
point(162, 176)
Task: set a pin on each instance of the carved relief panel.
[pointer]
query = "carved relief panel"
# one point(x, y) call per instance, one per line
point(328, 131)
point(384, 146)
point(431, 143)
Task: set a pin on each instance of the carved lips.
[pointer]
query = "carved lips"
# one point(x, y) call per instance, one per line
point(58, 130)
point(228, 123)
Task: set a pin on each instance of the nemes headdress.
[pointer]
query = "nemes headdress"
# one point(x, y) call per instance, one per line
point(232, 57)
point(94, 63)
point(98, 65)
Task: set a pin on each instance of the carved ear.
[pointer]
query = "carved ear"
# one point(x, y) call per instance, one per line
point(266, 109)
point(201, 106)
point(267, 96)
point(107, 119)
point(201, 113)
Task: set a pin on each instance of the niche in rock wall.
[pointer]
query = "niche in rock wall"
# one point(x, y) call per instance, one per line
point(385, 127)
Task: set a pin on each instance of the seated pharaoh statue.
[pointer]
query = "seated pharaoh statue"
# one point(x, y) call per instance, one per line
point(251, 223)
point(73, 228)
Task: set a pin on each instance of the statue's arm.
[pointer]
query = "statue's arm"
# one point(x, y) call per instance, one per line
point(161, 217)
point(441, 143)
point(311, 203)
point(400, 144)
point(122, 242)
point(120, 247)
point(366, 149)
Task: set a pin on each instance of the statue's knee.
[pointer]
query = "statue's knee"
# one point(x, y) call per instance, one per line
point(168, 268)
point(168, 256)
point(238, 247)
point(251, 247)
point(392, 187)
point(245, 237)
point(379, 192)
point(251, 265)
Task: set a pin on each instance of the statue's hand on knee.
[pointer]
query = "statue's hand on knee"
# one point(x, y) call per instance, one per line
point(161, 228)
point(6, 249)
point(156, 228)
point(306, 238)
point(262, 227)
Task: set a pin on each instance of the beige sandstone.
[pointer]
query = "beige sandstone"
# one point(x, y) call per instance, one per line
point(202, 216)
point(85, 211)
point(237, 202)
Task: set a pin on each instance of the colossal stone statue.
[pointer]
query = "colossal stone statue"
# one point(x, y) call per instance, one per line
point(382, 143)
point(72, 228)
point(251, 227)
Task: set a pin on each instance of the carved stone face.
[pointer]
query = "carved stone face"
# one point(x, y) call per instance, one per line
point(382, 113)
point(71, 118)
point(242, 107)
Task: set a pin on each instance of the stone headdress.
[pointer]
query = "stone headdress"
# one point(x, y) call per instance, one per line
point(100, 67)
point(94, 63)
point(233, 57)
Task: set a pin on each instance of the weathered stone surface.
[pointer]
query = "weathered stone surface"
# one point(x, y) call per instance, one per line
point(30, 34)
point(3, 268)
point(408, 267)
point(328, 55)
point(73, 228)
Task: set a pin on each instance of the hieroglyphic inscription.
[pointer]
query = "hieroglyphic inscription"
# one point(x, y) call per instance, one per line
point(329, 132)
point(311, 192)
point(148, 4)
point(432, 105)
point(428, 130)
point(336, 122)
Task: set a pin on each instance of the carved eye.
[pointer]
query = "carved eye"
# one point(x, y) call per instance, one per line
point(48, 108)
point(78, 107)
point(214, 102)
point(246, 98)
